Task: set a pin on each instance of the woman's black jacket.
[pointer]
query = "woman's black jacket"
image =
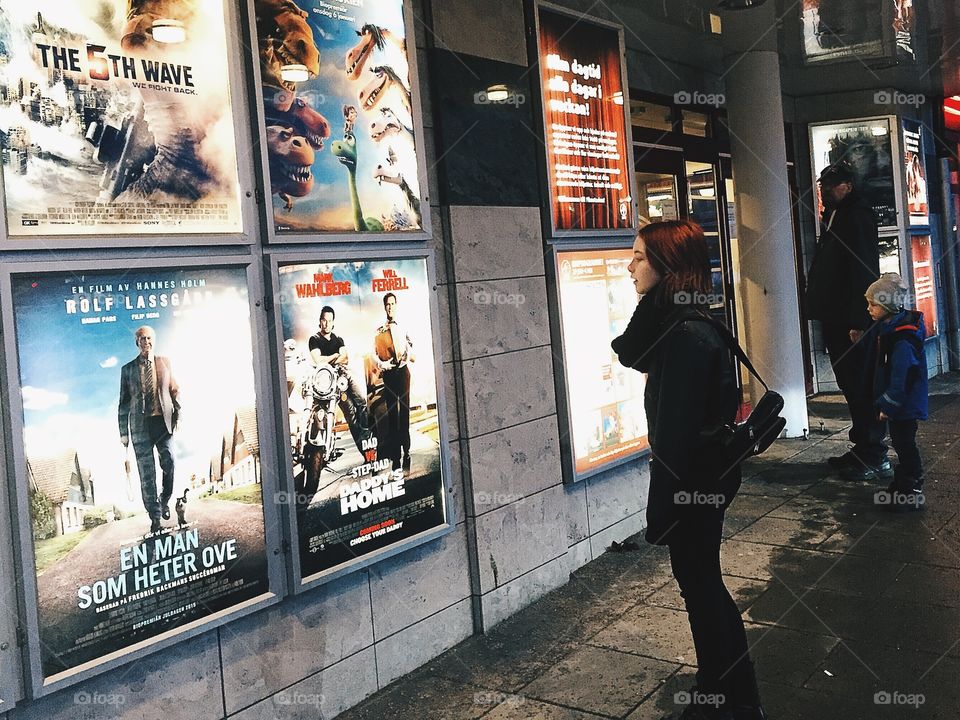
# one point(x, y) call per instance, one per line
point(691, 392)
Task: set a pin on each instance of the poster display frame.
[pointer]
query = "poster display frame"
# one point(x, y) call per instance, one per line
point(37, 684)
point(276, 260)
point(888, 42)
point(561, 376)
point(899, 193)
point(550, 231)
point(275, 237)
point(246, 192)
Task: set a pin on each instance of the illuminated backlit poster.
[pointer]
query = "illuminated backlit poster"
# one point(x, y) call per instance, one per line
point(584, 123)
point(842, 29)
point(914, 162)
point(112, 125)
point(362, 407)
point(866, 146)
point(142, 454)
point(924, 287)
point(597, 299)
point(339, 115)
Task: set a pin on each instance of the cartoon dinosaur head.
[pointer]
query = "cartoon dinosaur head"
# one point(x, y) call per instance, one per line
point(371, 37)
point(285, 39)
point(385, 126)
point(384, 79)
point(346, 151)
point(291, 158)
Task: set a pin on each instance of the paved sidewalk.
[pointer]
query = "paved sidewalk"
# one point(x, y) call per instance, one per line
point(852, 613)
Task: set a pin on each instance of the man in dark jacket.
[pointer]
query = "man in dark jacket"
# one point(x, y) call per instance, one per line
point(846, 261)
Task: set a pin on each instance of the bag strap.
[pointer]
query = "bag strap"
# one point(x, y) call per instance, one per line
point(730, 341)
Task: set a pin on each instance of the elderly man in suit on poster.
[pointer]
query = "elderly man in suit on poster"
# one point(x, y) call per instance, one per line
point(148, 414)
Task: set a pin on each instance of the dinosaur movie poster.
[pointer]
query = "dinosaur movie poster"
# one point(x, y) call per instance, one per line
point(339, 116)
point(142, 455)
point(115, 118)
point(588, 161)
point(362, 407)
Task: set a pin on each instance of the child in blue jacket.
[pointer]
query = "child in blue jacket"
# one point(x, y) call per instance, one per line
point(900, 385)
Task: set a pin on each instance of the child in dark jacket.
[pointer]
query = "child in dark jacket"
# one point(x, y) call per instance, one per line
point(900, 385)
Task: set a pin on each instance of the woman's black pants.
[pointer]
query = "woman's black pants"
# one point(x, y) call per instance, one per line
point(723, 659)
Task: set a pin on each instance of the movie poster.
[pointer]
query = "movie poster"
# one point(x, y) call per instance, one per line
point(586, 135)
point(904, 21)
point(142, 453)
point(842, 29)
point(597, 299)
point(362, 407)
point(924, 286)
point(116, 118)
point(339, 116)
point(914, 162)
point(866, 146)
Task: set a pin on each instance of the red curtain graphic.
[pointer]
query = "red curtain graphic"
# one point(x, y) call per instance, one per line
point(585, 130)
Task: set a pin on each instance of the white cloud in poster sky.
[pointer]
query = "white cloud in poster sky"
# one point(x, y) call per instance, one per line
point(35, 398)
point(110, 362)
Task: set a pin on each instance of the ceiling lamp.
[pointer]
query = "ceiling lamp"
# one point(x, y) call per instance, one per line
point(294, 73)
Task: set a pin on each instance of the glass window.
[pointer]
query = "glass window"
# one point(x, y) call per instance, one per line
point(658, 197)
point(650, 115)
point(695, 123)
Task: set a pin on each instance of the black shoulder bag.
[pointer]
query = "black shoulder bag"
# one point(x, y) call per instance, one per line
point(764, 425)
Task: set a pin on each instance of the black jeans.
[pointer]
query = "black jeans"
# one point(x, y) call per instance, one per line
point(853, 365)
point(903, 435)
point(719, 637)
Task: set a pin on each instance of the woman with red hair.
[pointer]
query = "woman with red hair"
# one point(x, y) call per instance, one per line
point(691, 393)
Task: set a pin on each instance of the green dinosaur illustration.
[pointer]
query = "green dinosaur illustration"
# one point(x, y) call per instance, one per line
point(346, 152)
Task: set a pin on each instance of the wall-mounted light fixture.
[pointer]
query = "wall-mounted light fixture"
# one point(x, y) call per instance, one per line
point(497, 93)
point(168, 30)
point(618, 97)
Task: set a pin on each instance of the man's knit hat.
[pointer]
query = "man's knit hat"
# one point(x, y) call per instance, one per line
point(889, 292)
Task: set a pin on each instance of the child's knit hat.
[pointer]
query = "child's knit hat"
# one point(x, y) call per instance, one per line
point(889, 292)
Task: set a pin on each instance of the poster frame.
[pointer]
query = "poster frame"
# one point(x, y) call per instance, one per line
point(274, 237)
point(36, 683)
point(899, 191)
point(246, 190)
point(888, 43)
point(560, 374)
point(550, 231)
point(298, 582)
